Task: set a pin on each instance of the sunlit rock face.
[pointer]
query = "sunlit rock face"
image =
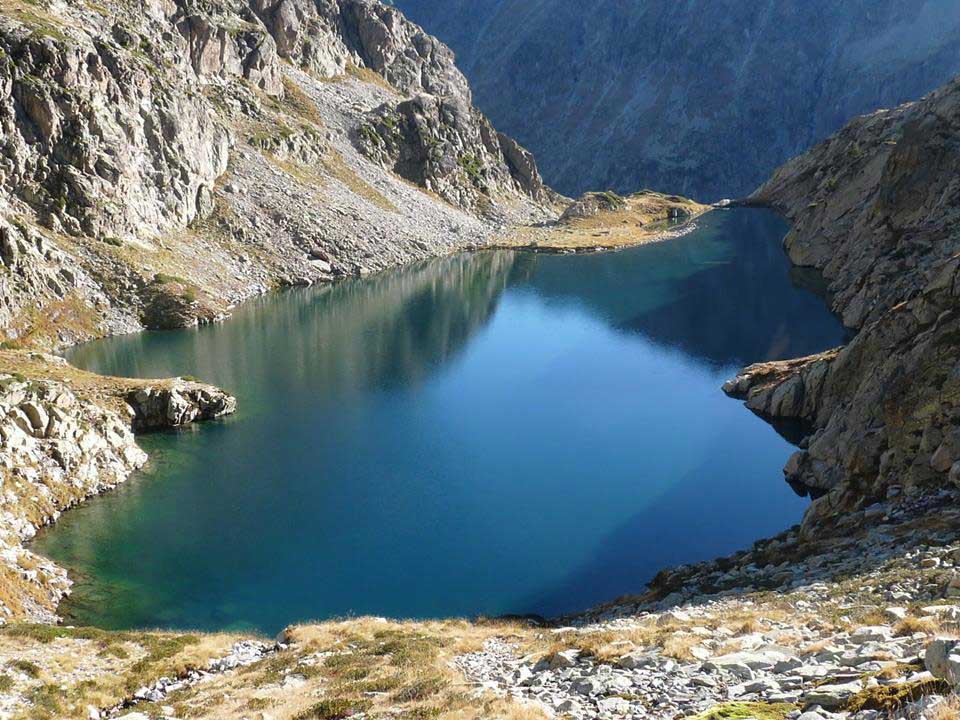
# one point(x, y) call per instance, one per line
point(700, 98)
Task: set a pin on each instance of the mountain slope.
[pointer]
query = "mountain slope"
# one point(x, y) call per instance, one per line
point(704, 99)
point(162, 161)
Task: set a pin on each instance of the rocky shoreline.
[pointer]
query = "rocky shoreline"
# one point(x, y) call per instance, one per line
point(66, 436)
point(843, 630)
point(855, 625)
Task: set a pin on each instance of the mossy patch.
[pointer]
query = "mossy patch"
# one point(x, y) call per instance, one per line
point(26, 667)
point(473, 167)
point(892, 697)
point(742, 710)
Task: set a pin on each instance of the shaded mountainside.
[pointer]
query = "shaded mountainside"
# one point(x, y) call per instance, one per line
point(704, 99)
point(875, 208)
point(162, 161)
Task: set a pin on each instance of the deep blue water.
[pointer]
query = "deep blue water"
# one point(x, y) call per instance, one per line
point(488, 433)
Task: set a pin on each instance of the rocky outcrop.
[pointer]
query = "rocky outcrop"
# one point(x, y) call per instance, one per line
point(220, 44)
point(65, 436)
point(55, 450)
point(591, 204)
point(98, 142)
point(430, 134)
point(703, 99)
point(329, 36)
point(875, 209)
point(443, 144)
point(178, 404)
point(942, 660)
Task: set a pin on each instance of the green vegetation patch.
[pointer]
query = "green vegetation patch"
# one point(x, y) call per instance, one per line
point(890, 698)
point(165, 279)
point(610, 198)
point(26, 667)
point(420, 689)
point(190, 292)
point(472, 167)
point(333, 709)
point(49, 633)
point(45, 699)
point(742, 710)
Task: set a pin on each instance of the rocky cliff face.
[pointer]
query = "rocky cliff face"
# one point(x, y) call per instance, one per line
point(162, 161)
point(875, 208)
point(699, 98)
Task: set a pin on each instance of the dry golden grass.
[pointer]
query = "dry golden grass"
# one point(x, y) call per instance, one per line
point(77, 667)
point(912, 625)
point(643, 219)
point(608, 646)
point(295, 101)
point(108, 392)
point(949, 709)
point(750, 626)
point(728, 647)
point(297, 112)
point(363, 665)
point(891, 672)
point(332, 165)
point(35, 15)
point(869, 616)
point(679, 645)
point(40, 328)
point(815, 647)
point(369, 76)
point(336, 167)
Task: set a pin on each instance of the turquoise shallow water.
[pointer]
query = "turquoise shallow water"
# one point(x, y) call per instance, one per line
point(482, 434)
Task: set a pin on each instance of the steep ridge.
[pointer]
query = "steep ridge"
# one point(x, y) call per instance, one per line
point(164, 160)
point(700, 98)
point(875, 209)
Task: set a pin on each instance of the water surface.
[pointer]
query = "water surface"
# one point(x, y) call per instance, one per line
point(482, 434)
